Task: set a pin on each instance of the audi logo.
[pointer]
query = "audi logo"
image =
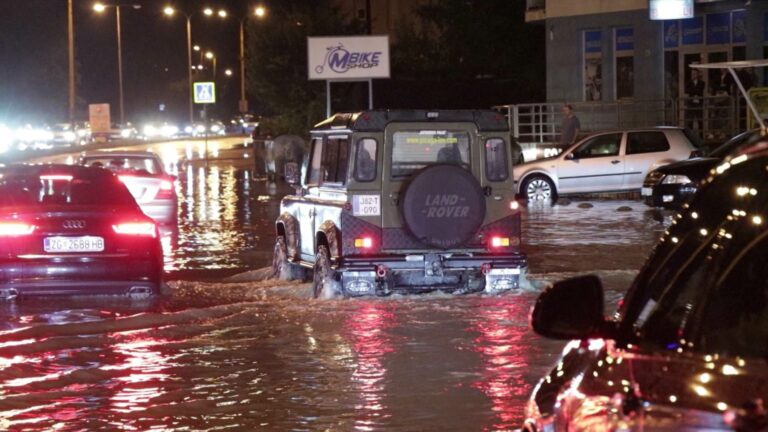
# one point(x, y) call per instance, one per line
point(74, 224)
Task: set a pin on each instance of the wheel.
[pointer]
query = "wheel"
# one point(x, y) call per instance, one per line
point(538, 188)
point(282, 268)
point(324, 283)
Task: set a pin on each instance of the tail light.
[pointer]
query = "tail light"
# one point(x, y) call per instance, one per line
point(695, 154)
point(166, 189)
point(514, 205)
point(364, 243)
point(15, 229)
point(499, 242)
point(148, 229)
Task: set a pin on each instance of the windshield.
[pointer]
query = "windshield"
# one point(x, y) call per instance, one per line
point(706, 285)
point(736, 143)
point(413, 150)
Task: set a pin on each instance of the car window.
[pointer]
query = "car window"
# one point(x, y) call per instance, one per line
point(646, 142)
point(413, 150)
point(496, 160)
point(57, 190)
point(125, 164)
point(599, 146)
point(315, 162)
point(334, 160)
point(705, 283)
point(365, 160)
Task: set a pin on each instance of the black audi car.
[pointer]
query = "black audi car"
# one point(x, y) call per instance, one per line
point(74, 230)
point(688, 345)
point(671, 186)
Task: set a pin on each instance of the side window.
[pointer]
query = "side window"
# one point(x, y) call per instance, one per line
point(496, 160)
point(365, 160)
point(334, 160)
point(313, 174)
point(646, 142)
point(599, 146)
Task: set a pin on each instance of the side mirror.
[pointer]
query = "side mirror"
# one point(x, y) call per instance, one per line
point(570, 156)
point(292, 173)
point(571, 309)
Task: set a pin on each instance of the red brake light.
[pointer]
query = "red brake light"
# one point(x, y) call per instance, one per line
point(499, 242)
point(166, 185)
point(364, 243)
point(136, 228)
point(12, 229)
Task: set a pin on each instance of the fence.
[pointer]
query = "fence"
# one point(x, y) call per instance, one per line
point(537, 126)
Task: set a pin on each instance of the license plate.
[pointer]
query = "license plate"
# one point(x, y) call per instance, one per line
point(74, 244)
point(646, 191)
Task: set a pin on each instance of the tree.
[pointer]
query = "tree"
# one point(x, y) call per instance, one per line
point(277, 61)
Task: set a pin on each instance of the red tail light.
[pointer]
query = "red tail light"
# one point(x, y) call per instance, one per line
point(166, 189)
point(499, 242)
point(136, 228)
point(364, 243)
point(14, 229)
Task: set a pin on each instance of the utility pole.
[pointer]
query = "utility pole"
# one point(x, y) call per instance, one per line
point(71, 60)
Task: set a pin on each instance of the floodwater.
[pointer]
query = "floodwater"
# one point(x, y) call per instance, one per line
point(263, 355)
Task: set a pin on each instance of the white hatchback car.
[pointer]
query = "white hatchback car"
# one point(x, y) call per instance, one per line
point(615, 161)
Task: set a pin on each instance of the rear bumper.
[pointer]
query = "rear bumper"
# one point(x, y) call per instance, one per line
point(81, 276)
point(382, 275)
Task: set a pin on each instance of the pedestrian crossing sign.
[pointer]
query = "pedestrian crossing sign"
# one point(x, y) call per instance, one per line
point(204, 92)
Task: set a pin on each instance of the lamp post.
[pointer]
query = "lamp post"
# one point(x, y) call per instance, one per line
point(171, 11)
point(259, 12)
point(71, 62)
point(100, 8)
point(211, 56)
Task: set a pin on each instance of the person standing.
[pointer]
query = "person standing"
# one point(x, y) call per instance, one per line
point(569, 130)
point(694, 89)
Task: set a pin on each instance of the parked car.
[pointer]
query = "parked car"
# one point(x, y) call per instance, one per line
point(68, 229)
point(145, 176)
point(404, 201)
point(686, 349)
point(615, 161)
point(673, 185)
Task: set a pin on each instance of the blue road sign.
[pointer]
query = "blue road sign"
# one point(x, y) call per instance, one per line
point(205, 92)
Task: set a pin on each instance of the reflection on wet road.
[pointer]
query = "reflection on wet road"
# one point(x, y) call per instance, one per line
point(262, 355)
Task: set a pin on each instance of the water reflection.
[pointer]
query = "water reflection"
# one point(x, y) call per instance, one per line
point(501, 343)
point(225, 220)
point(368, 330)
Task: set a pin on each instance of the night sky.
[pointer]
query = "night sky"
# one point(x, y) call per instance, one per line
point(33, 58)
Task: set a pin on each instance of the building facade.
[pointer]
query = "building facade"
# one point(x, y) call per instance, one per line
point(609, 50)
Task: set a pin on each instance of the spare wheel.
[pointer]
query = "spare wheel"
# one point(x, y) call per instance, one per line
point(443, 206)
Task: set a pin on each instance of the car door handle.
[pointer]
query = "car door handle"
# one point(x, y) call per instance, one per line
point(615, 161)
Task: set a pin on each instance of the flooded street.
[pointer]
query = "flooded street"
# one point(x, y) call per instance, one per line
point(263, 355)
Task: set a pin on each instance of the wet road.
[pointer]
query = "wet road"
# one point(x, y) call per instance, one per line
point(262, 355)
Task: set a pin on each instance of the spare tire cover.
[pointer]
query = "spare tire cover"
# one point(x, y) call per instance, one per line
point(443, 206)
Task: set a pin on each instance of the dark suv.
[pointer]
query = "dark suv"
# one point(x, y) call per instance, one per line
point(404, 201)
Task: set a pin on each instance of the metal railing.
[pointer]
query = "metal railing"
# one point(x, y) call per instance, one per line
point(712, 118)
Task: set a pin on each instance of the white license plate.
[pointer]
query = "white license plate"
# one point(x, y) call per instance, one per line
point(646, 191)
point(73, 244)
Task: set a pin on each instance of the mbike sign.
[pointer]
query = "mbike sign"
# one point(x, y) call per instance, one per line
point(348, 58)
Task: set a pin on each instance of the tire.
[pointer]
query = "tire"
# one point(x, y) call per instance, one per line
point(283, 269)
point(538, 188)
point(324, 283)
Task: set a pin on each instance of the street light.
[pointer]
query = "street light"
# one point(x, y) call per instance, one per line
point(259, 12)
point(228, 72)
point(211, 56)
point(100, 8)
point(170, 12)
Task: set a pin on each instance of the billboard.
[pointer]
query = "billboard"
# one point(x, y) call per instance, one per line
point(670, 9)
point(98, 117)
point(348, 57)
